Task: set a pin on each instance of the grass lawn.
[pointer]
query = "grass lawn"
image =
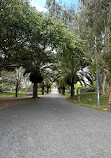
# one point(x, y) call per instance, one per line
point(90, 100)
point(12, 94)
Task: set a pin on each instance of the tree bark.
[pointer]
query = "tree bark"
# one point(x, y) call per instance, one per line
point(104, 81)
point(47, 90)
point(59, 89)
point(102, 84)
point(42, 90)
point(35, 90)
point(109, 97)
point(16, 90)
point(63, 90)
point(72, 90)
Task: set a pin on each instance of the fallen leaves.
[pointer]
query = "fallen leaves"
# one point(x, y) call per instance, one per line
point(8, 102)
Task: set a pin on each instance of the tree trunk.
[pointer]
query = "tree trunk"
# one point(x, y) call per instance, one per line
point(102, 84)
point(63, 90)
point(59, 89)
point(42, 90)
point(16, 90)
point(109, 97)
point(47, 90)
point(104, 81)
point(35, 90)
point(72, 90)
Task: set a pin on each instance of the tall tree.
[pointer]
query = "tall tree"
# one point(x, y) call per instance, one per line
point(61, 12)
point(94, 22)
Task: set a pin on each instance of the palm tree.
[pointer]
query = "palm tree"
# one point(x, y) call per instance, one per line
point(73, 65)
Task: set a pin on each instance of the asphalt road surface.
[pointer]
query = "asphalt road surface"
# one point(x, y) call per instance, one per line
point(51, 127)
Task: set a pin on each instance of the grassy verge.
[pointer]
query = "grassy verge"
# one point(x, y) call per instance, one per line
point(12, 94)
point(90, 100)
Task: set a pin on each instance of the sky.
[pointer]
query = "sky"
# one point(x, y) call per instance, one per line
point(40, 4)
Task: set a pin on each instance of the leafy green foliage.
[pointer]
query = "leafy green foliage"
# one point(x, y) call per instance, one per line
point(40, 43)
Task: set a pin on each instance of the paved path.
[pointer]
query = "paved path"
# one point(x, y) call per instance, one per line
point(53, 128)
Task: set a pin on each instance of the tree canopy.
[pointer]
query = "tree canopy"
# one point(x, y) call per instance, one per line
point(62, 41)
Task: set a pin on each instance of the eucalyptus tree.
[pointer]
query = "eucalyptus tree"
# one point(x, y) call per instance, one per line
point(61, 12)
point(107, 58)
point(94, 25)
